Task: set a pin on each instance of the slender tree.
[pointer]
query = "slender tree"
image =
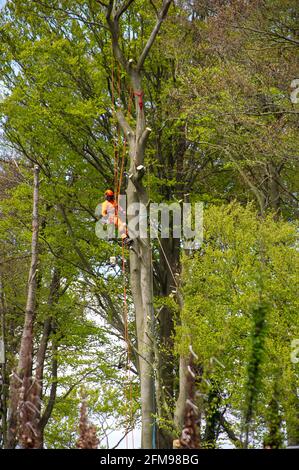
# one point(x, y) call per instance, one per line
point(23, 413)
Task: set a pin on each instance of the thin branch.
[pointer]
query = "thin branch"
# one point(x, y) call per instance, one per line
point(78, 382)
point(155, 8)
point(122, 9)
point(126, 433)
point(114, 30)
point(286, 190)
point(269, 33)
point(70, 14)
point(128, 131)
point(229, 431)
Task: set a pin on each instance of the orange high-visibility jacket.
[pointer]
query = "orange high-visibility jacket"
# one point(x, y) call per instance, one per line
point(108, 208)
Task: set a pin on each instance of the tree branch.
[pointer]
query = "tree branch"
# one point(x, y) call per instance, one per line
point(229, 431)
point(143, 138)
point(122, 9)
point(154, 7)
point(155, 31)
point(127, 130)
point(122, 438)
point(113, 24)
point(50, 405)
point(269, 33)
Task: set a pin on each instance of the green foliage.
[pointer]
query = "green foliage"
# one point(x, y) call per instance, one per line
point(217, 86)
point(234, 317)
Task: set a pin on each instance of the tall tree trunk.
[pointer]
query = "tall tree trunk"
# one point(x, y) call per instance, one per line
point(20, 425)
point(142, 282)
point(170, 254)
point(183, 392)
point(180, 406)
point(141, 269)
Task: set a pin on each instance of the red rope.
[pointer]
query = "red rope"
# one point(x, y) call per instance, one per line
point(139, 94)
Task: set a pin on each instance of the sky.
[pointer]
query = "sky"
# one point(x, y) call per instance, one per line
point(2, 2)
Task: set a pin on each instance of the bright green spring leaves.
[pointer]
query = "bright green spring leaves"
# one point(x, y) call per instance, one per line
point(241, 308)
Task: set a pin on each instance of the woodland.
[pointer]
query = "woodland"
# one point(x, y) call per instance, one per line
point(156, 346)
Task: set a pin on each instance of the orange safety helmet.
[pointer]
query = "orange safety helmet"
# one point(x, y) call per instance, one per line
point(109, 193)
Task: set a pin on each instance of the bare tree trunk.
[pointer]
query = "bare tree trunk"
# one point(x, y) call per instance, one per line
point(142, 290)
point(4, 389)
point(180, 406)
point(21, 416)
point(141, 270)
point(190, 438)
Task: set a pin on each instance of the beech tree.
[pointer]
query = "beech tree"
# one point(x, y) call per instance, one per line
point(196, 96)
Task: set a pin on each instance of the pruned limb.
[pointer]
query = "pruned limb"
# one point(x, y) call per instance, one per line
point(144, 137)
point(137, 177)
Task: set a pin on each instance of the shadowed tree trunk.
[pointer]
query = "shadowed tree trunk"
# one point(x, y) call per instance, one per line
point(40, 361)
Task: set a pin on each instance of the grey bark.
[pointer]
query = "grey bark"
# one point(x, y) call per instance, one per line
point(141, 270)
